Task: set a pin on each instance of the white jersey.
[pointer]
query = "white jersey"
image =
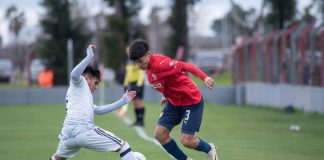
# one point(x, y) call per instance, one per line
point(79, 109)
point(78, 129)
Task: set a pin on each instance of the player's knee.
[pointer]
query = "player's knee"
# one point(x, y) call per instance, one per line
point(187, 141)
point(160, 136)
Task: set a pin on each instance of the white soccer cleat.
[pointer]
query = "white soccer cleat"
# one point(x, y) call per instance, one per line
point(188, 158)
point(212, 155)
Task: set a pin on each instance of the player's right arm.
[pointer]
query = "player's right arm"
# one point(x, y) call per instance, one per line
point(163, 101)
point(78, 70)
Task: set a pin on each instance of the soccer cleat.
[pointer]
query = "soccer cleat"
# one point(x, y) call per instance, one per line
point(138, 123)
point(188, 158)
point(212, 155)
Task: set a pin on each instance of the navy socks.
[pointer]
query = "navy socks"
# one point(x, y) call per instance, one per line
point(173, 149)
point(203, 146)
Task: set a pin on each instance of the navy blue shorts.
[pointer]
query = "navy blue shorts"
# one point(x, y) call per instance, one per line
point(190, 116)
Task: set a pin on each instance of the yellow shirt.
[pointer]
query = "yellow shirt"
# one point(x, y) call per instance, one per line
point(133, 74)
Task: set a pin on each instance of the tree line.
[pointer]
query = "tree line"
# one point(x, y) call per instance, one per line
point(65, 19)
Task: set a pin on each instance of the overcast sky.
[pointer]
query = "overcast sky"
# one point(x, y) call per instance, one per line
point(207, 11)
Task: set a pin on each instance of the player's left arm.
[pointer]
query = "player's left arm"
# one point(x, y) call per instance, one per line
point(127, 97)
point(170, 67)
point(209, 82)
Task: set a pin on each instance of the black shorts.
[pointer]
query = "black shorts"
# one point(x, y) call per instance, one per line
point(140, 90)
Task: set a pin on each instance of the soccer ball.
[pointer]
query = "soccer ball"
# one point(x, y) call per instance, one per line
point(294, 127)
point(139, 156)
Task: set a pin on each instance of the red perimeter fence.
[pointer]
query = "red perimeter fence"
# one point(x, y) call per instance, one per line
point(294, 55)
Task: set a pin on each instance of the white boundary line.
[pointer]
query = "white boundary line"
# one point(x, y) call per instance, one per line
point(141, 132)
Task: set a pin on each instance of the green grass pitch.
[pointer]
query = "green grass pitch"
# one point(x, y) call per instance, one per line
point(29, 132)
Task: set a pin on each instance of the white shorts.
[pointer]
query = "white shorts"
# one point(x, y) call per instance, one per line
point(96, 139)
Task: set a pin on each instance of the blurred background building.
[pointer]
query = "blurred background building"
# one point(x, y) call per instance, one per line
point(265, 51)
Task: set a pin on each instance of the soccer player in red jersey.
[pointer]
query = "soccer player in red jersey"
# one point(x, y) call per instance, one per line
point(182, 100)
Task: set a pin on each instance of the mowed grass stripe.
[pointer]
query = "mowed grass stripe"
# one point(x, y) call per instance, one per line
point(29, 132)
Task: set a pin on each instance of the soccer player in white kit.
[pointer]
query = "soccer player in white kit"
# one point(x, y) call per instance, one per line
point(79, 129)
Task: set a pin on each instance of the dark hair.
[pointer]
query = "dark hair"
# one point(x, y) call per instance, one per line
point(138, 49)
point(94, 72)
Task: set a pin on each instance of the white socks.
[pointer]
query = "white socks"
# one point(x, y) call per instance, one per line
point(126, 152)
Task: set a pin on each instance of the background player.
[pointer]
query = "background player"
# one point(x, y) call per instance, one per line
point(182, 99)
point(79, 129)
point(134, 80)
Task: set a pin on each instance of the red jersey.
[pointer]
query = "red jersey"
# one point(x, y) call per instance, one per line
point(168, 77)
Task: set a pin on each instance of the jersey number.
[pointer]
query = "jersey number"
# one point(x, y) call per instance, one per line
point(187, 115)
